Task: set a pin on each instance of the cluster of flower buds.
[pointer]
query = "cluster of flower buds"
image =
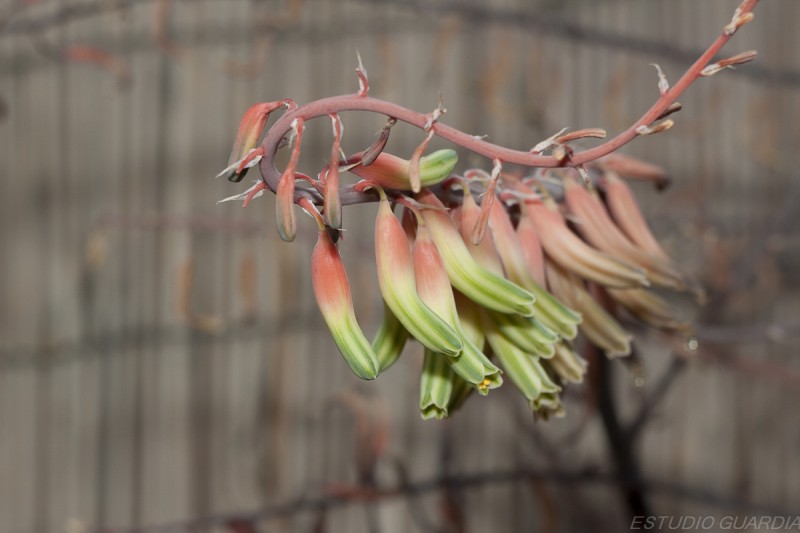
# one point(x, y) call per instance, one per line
point(494, 275)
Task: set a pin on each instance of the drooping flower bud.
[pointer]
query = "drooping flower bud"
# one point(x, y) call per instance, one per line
point(393, 172)
point(250, 128)
point(549, 310)
point(434, 289)
point(466, 275)
point(525, 371)
point(627, 215)
point(333, 204)
point(284, 196)
point(332, 291)
point(567, 365)
point(389, 340)
point(531, 249)
point(526, 332)
point(569, 251)
point(650, 309)
point(596, 226)
point(435, 387)
point(599, 327)
point(398, 286)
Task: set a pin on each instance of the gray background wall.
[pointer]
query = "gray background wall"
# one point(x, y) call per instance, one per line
point(161, 356)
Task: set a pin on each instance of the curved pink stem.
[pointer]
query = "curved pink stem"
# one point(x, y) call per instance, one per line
point(357, 102)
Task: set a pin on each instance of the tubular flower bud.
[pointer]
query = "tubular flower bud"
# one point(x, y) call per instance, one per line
point(398, 286)
point(625, 210)
point(461, 392)
point(526, 333)
point(531, 250)
point(250, 128)
point(567, 365)
point(549, 310)
point(332, 291)
point(567, 250)
point(524, 370)
point(435, 387)
point(546, 405)
point(435, 291)
point(284, 213)
point(466, 275)
point(599, 327)
point(333, 204)
point(389, 340)
point(484, 252)
point(392, 172)
point(599, 230)
point(650, 309)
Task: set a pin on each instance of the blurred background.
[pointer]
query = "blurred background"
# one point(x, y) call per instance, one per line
point(163, 365)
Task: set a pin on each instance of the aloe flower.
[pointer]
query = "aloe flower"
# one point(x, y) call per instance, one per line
point(434, 289)
point(332, 290)
point(525, 370)
point(466, 275)
point(526, 332)
point(627, 215)
point(243, 155)
point(596, 226)
point(284, 196)
point(598, 325)
point(569, 251)
point(650, 308)
point(389, 340)
point(567, 365)
point(398, 286)
point(549, 310)
point(393, 172)
point(436, 386)
point(532, 250)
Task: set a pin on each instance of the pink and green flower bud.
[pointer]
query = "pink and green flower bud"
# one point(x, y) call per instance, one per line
point(393, 172)
point(435, 290)
point(651, 309)
point(598, 326)
point(531, 250)
point(460, 393)
point(389, 340)
point(527, 333)
point(525, 371)
point(484, 251)
point(435, 387)
point(284, 196)
point(549, 310)
point(627, 215)
point(333, 204)
point(469, 316)
point(480, 285)
point(250, 128)
point(284, 209)
point(399, 287)
point(547, 405)
point(569, 251)
point(332, 291)
point(566, 364)
point(597, 227)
